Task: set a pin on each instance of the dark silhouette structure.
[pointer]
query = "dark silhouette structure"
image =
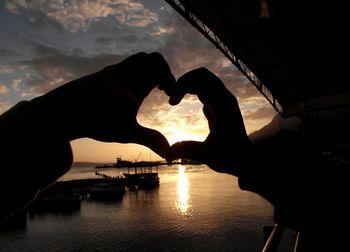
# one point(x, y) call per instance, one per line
point(290, 53)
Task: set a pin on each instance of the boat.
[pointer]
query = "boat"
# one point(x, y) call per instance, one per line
point(143, 180)
point(126, 163)
point(110, 188)
point(120, 163)
point(61, 199)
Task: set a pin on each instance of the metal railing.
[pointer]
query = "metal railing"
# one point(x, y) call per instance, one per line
point(273, 236)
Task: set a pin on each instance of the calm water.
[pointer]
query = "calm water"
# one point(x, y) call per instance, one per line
point(194, 209)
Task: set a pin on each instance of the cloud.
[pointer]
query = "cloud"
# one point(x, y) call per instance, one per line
point(3, 89)
point(4, 105)
point(185, 121)
point(7, 53)
point(260, 113)
point(7, 69)
point(104, 40)
point(16, 84)
point(163, 30)
point(76, 15)
point(256, 112)
point(52, 68)
point(181, 44)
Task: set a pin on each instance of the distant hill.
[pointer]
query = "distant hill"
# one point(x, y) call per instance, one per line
point(331, 126)
point(277, 123)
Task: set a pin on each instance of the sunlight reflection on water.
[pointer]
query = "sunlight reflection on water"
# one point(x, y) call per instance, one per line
point(183, 201)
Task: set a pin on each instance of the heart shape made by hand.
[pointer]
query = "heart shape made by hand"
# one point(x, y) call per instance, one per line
point(184, 121)
point(222, 115)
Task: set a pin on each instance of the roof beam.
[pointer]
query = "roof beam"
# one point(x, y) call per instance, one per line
point(212, 37)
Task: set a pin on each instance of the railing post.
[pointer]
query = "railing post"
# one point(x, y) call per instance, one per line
point(274, 239)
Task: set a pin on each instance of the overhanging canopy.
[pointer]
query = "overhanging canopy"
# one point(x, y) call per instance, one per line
point(290, 50)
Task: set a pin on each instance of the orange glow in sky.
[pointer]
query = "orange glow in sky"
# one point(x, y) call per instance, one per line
point(180, 134)
point(184, 121)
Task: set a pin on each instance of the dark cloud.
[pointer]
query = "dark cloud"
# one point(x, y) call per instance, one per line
point(128, 38)
point(45, 51)
point(104, 40)
point(8, 53)
point(52, 67)
point(38, 21)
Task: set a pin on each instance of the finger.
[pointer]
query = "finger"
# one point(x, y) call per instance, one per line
point(162, 76)
point(151, 71)
point(152, 139)
point(220, 105)
point(202, 83)
point(217, 99)
point(141, 73)
point(210, 117)
point(187, 149)
point(144, 72)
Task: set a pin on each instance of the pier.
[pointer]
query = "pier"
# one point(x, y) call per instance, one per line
point(67, 195)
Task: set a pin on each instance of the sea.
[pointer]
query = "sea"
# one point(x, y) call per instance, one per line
point(193, 209)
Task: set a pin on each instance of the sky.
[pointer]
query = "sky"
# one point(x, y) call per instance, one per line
point(45, 44)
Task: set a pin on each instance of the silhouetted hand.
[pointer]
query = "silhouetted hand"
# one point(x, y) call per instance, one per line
point(227, 140)
point(227, 147)
point(104, 105)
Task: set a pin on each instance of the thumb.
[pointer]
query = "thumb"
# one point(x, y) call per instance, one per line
point(187, 149)
point(152, 139)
